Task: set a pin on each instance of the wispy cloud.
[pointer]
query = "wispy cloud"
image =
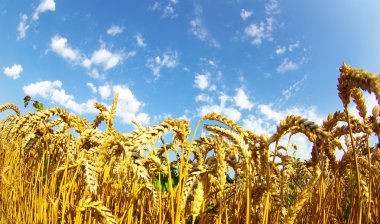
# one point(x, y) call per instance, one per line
point(286, 66)
point(199, 30)
point(22, 27)
point(167, 60)
point(260, 31)
point(293, 89)
point(203, 98)
point(115, 30)
point(140, 40)
point(167, 10)
point(245, 14)
point(45, 5)
point(14, 71)
point(272, 7)
point(92, 87)
point(241, 100)
point(293, 46)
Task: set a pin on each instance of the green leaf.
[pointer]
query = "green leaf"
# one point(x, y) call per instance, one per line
point(26, 100)
point(39, 106)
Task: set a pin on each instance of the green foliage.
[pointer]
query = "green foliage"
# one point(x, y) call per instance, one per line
point(36, 104)
point(161, 182)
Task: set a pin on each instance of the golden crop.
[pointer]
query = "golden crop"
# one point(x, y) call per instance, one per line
point(60, 168)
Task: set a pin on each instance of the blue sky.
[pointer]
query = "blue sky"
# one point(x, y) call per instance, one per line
point(253, 61)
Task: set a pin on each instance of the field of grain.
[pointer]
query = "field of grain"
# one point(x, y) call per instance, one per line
point(57, 167)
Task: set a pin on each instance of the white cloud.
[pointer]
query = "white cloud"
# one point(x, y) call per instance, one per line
point(115, 30)
point(245, 14)
point(201, 81)
point(22, 27)
point(203, 98)
point(45, 5)
point(277, 115)
point(167, 60)
point(92, 87)
point(128, 106)
point(140, 40)
point(14, 71)
point(267, 118)
point(222, 108)
point(105, 91)
point(280, 50)
point(229, 112)
point(263, 30)
point(242, 101)
point(258, 125)
point(103, 58)
point(199, 30)
point(60, 46)
point(53, 91)
point(260, 31)
point(287, 66)
point(370, 102)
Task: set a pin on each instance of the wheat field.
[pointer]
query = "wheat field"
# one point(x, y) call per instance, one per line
point(57, 167)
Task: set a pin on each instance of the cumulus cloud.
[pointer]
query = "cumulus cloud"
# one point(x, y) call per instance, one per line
point(286, 66)
point(105, 91)
point(223, 108)
point(199, 30)
point(100, 59)
point(103, 58)
point(54, 92)
point(14, 71)
point(115, 30)
point(258, 125)
point(140, 40)
point(201, 81)
point(245, 14)
point(167, 60)
point(22, 27)
point(60, 46)
point(242, 100)
point(280, 50)
point(128, 108)
point(267, 118)
point(45, 5)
